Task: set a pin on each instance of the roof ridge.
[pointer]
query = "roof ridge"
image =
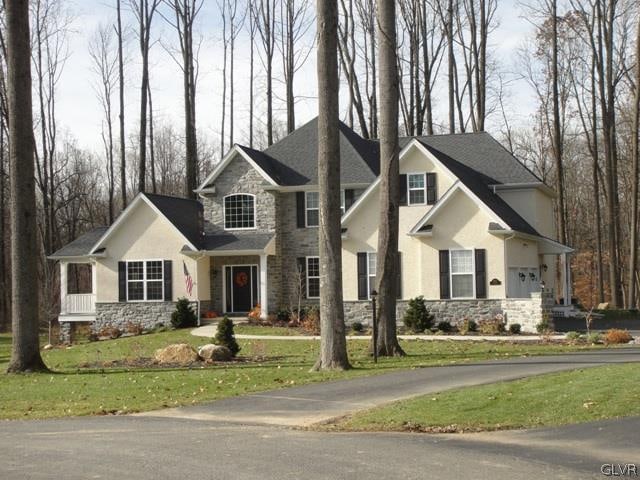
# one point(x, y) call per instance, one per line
point(171, 197)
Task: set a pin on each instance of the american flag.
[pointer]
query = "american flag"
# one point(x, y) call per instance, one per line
point(187, 279)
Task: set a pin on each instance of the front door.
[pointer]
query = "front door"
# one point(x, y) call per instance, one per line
point(242, 287)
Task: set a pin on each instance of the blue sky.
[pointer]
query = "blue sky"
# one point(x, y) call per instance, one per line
point(79, 111)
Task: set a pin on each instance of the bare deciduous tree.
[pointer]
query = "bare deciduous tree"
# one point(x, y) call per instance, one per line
point(333, 344)
point(25, 354)
point(387, 255)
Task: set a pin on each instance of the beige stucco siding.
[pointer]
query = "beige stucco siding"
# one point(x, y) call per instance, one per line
point(144, 235)
point(535, 206)
point(460, 224)
point(416, 161)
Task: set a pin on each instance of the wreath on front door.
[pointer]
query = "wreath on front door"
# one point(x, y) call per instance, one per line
point(241, 279)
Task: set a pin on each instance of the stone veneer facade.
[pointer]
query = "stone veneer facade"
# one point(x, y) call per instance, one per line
point(527, 312)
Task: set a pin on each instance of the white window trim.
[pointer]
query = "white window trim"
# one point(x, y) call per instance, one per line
point(306, 210)
point(369, 286)
point(343, 202)
point(144, 279)
point(307, 277)
point(424, 188)
point(224, 212)
point(473, 273)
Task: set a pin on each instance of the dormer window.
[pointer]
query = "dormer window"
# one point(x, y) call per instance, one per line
point(239, 212)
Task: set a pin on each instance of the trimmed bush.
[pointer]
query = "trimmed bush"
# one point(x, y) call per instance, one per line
point(183, 316)
point(357, 327)
point(311, 320)
point(615, 336)
point(226, 337)
point(594, 338)
point(417, 318)
point(467, 326)
point(545, 326)
point(515, 329)
point(573, 337)
point(444, 326)
point(491, 326)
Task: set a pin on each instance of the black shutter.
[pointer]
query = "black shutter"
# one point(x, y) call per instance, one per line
point(481, 273)
point(302, 270)
point(399, 277)
point(362, 276)
point(403, 189)
point(168, 277)
point(300, 209)
point(122, 281)
point(444, 274)
point(348, 199)
point(431, 188)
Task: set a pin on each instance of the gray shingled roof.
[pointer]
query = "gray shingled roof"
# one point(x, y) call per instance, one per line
point(482, 153)
point(184, 213)
point(294, 159)
point(82, 245)
point(239, 241)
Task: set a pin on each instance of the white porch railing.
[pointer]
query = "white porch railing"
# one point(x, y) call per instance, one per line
point(80, 303)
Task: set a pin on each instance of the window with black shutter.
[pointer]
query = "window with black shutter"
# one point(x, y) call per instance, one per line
point(300, 209)
point(444, 274)
point(432, 193)
point(481, 273)
point(403, 189)
point(301, 275)
point(363, 280)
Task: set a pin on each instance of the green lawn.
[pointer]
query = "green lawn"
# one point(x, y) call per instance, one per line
point(576, 396)
point(84, 383)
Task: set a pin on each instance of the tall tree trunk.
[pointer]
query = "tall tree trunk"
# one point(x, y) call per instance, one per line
point(387, 256)
point(25, 354)
point(333, 344)
point(252, 33)
point(557, 139)
point(4, 315)
point(635, 130)
point(451, 66)
point(123, 160)
point(152, 153)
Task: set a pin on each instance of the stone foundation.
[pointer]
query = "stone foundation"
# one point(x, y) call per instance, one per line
point(147, 314)
point(528, 312)
point(66, 332)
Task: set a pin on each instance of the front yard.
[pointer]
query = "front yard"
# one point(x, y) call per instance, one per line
point(102, 377)
point(576, 396)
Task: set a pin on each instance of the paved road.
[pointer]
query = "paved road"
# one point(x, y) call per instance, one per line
point(215, 441)
point(314, 403)
point(136, 448)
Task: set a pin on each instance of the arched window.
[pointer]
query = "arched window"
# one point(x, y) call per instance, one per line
point(239, 211)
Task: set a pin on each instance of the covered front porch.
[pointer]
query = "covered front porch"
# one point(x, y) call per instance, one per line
point(77, 290)
point(242, 270)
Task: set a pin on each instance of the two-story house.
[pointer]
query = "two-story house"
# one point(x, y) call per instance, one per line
point(476, 236)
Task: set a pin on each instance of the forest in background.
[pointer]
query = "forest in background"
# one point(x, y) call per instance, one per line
point(580, 62)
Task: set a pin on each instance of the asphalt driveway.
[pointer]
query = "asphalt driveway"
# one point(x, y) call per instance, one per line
point(247, 437)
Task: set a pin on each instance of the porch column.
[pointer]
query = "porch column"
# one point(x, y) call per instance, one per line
point(264, 307)
point(63, 287)
point(566, 279)
point(94, 279)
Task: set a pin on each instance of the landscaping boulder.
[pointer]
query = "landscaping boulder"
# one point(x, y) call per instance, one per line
point(216, 353)
point(180, 353)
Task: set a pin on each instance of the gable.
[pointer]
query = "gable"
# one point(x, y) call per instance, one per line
point(143, 234)
point(236, 152)
point(142, 203)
